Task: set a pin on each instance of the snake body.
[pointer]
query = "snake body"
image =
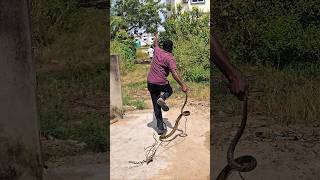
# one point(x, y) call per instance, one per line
point(243, 163)
point(151, 150)
point(164, 137)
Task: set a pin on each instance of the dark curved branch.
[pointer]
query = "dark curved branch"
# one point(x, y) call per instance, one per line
point(99, 4)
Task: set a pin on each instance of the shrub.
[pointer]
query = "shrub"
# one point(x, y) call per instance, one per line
point(190, 34)
point(126, 53)
point(269, 32)
point(192, 56)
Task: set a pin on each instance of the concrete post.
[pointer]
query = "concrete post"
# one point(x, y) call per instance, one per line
point(116, 108)
point(20, 156)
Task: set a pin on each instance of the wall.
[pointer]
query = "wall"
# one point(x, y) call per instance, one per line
point(115, 88)
point(188, 6)
point(19, 131)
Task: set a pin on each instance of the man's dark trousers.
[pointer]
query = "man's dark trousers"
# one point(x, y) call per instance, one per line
point(155, 92)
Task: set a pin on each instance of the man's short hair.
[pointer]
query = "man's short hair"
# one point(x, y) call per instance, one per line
point(167, 45)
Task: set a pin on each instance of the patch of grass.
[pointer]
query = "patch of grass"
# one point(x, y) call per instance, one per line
point(130, 101)
point(93, 132)
point(290, 96)
point(139, 85)
point(141, 53)
point(139, 104)
point(80, 47)
point(199, 91)
point(72, 82)
point(135, 83)
point(58, 115)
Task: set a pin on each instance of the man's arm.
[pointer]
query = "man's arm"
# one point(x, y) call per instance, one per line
point(219, 57)
point(176, 76)
point(155, 40)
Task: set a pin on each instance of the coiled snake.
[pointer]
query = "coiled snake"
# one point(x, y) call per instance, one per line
point(151, 150)
point(164, 137)
point(243, 163)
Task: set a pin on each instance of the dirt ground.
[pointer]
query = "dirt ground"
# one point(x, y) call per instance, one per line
point(282, 153)
point(88, 166)
point(184, 158)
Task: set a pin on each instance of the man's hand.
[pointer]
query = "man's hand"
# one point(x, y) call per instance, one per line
point(239, 87)
point(184, 88)
point(176, 76)
point(220, 58)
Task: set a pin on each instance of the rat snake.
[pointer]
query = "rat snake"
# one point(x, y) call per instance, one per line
point(151, 150)
point(243, 163)
point(164, 137)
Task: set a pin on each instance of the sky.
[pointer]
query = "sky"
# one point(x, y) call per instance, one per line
point(161, 15)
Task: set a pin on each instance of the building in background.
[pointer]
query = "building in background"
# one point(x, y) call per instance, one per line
point(202, 5)
point(146, 39)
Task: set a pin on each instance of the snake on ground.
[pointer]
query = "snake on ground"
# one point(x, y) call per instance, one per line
point(164, 137)
point(151, 150)
point(243, 163)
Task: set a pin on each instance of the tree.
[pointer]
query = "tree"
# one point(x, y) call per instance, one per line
point(140, 14)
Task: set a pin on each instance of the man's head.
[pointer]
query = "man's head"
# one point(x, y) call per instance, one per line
point(168, 46)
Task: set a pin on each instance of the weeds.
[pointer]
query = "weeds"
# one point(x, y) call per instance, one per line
point(130, 101)
point(61, 118)
point(142, 53)
point(290, 96)
point(72, 82)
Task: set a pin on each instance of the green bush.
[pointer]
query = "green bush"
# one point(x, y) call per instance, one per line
point(58, 113)
point(93, 131)
point(126, 52)
point(269, 32)
point(192, 56)
point(190, 35)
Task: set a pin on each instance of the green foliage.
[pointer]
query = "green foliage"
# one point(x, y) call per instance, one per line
point(269, 32)
point(93, 132)
point(140, 104)
point(54, 114)
point(130, 101)
point(190, 32)
point(56, 91)
point(139, 13)
point(116, 23)
point(57, 10)
point(71, 66)
point(126, 52)
point(52, 18)
point(192, 56)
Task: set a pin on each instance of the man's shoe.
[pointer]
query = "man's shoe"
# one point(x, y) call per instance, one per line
point(162, 132)
point(162, 104)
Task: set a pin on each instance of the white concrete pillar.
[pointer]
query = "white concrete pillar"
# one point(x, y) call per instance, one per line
point(116, 107)
point(20, 156)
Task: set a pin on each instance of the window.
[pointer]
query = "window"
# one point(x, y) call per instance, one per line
point(197, 1)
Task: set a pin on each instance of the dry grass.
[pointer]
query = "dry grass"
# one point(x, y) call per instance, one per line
point(134, 85)
point(289, 96)
point(72, 85)
point(142, 53)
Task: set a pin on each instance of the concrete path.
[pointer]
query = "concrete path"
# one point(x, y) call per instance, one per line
point(184, 158)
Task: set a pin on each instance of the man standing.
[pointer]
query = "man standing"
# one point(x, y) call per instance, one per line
point(162, 64)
